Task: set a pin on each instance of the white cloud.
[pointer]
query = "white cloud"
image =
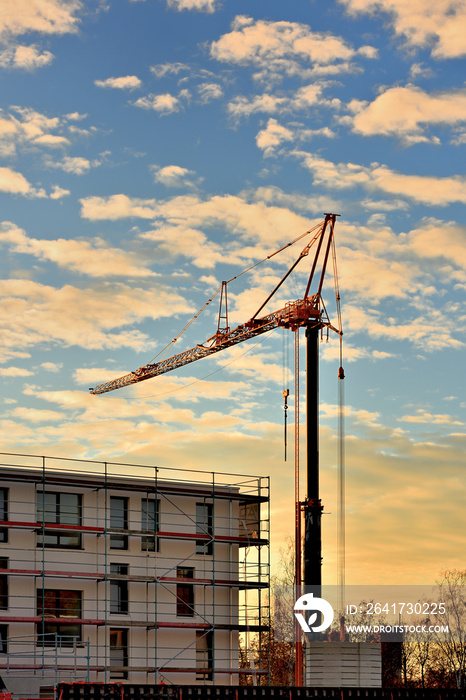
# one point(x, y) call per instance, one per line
point(431, 191)
point(97, 317)
point(163, 104)
point(58, 192)
point(117, 206)
point(173, 176)
point(209, 92)
point(127, 82)
point(304, 98)
point(435, 23)
point(162, 69)
point(407, 112)
point(272, 136)
point(199, 5)
point(275, 134)
point(52, 366)
point(284, 48)
point(35, 415)
point(423, 416)
point(25, 57)
point(252, 222)
point(42, 16)
point(15, 183)
point(14, 372)
point(436, 239)
point(172, 244)
point(431, 331)
point(418, 70)
point(24, 127)
point(90, 257)
point(76, 165)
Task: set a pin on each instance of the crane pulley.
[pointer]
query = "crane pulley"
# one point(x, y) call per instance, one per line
point(306, 312)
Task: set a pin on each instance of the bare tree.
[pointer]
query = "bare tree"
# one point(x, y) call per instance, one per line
point(451, 645)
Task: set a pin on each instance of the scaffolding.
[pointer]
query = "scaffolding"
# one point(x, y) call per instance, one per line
point(143, 574)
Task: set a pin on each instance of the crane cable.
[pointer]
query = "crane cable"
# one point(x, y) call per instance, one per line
point(341, 488)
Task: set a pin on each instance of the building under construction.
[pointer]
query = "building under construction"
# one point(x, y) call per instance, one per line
point(112, 572)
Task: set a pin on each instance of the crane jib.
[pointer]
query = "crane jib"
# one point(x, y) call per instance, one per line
point(294, 315)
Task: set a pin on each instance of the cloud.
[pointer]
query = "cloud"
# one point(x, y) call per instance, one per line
point(127, 82)
point(418, 70)
point(52, 366)
point(295, 202)
point(272, 136)
point(117, 206)
point(163, 104)
point(97, 317)
point(282, 48)
point(35, 415)
point(429, 190)
point(15, 183)
point(75, 165)
point(209, 92)
point(171, 244)
point(436, 239)
point(423, 416)
point(275, 134)
point(208, 6)
point(407, 112)
point(249, 223)
point(27, 58)
point(173, 176)
point(42, 16)
point(58, 192)
point(434, 23)
point(301, 100)
point(431, 331)
point(14, 372)
point(24, 127)
point(162, 69)
point(90, 257)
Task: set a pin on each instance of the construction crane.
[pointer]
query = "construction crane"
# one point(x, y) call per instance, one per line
point(309, 313)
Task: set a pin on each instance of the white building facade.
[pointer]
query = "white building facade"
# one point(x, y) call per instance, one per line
point(112, 572)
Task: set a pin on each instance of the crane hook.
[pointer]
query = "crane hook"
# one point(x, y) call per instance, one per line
point(285, 394)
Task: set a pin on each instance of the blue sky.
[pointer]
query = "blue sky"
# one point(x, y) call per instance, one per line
point(150, 150)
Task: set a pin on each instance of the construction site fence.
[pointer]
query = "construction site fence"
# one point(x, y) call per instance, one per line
point(117, 691)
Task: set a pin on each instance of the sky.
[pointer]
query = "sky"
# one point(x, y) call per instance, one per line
point(151, 149)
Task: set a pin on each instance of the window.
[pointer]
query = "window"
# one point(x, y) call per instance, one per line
point(118, 653)
point(185, 592)
point(3, 514)
point(61, 605)
point(249, 520)
point(150, 509)
point(204, 656)
point(118, 589)
point(3, 585)
point(118, 521)
point(3, 639)
point(204, 526)
point(62, 508)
